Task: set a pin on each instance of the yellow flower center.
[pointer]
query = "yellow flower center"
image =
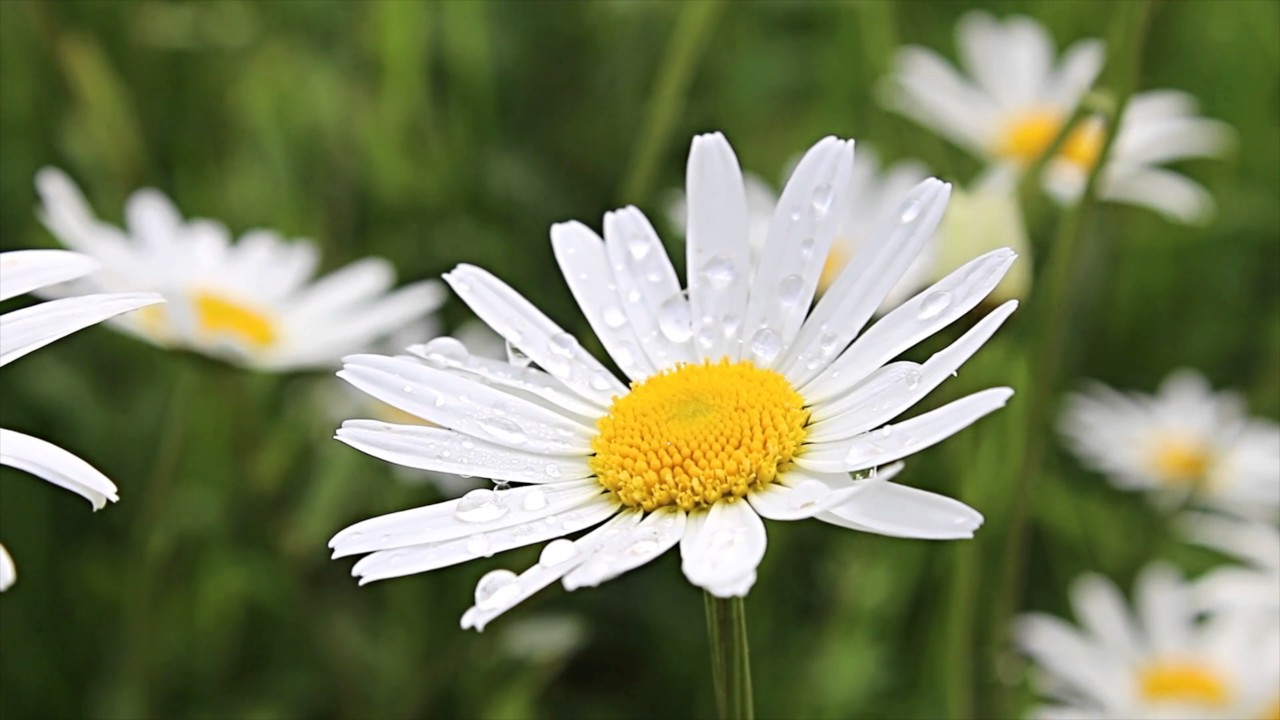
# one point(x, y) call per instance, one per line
point(1185, 682)
point(1180, 460)
point(837, 258)
point(1029, 134)
point(695, 434)
point(218, 317)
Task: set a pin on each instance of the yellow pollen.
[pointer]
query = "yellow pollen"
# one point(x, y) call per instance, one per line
point(217, 318)
point(837, 258)
point(1185, 682)
point(1273, 712)
point(698, 433)
point(1180, 460)
point(1028, 135)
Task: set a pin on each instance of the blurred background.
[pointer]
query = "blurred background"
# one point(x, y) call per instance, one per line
point(434, 134)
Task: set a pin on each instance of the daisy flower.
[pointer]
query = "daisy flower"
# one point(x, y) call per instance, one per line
point(1166, 663)
point(1012, 105)
point(31, 328)
point(253, 302)
point(1184, 442)
point(1256, 583)
point(874, 196)
point(742, 403)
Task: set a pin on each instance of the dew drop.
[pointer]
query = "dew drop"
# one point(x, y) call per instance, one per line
point(478, 544)
point(638, 245)
point(886, 431)
point(516, 357)
point(497, 589)
point(552, 470)
point(933, 304)
point(674, 319)
point(600, 381)
point(790, 289)
point(730, 324)
point(719, 272)
point(557, 552)
point(613, 317)
point(479, 506)
point(503, 429)
point(795, 213)
point(640, 548)
point(562, 344)
point(913, 379)
point(535, 499)
point(445, 351)
point(766, 343)
point(809, 493)
point(822, 197)
point(806, 247)
point(912, 211)
point(408, 389)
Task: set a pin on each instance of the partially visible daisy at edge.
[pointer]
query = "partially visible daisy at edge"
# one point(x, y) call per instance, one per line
point(1185, 443)
point(1014, 96)
point(31, 328)
point(743, 403)
point(252, 302)
point(1253, 583)
point(875, 195)
point(1161, 662)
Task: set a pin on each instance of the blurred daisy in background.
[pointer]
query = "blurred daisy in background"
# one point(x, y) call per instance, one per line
point(253, 302)
point(978, 220)
point(875, 194)
point(743, 404)
point(31, 328)
point(1165, 663)
point(1186, 442)
point(1255, 583)
point(1017, 95)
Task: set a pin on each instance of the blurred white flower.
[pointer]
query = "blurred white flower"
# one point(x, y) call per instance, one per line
point(1164, 664)
point(1184, 442)
point(979, 221)
point(874, 199)
point(31, 328)
point(1018, 95)
point(743, 403)
point(252, 302)
point(1254, 585)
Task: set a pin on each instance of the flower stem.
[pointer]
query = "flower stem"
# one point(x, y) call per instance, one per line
point(730, 658)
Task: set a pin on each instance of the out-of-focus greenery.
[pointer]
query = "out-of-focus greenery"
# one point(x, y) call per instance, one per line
point(434, 134)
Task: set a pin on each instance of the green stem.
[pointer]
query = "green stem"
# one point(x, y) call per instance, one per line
point(730, 657)
point(693, 28)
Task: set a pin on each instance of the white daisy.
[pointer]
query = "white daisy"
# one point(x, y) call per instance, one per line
point(1253, 585)
point(1014, 103)
point(252, 302)
point(1165, 664)
point(31, 328)
point(1184, 441)
point(742, 402)
point(874, 198)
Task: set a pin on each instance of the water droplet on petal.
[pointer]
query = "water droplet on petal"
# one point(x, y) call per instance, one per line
point(719, 272)
point(806, 247)
point(478, 544)
point(766, 343)
point(790, 289)
point(822, 197)
point(479, 506)
point(535, 499)
point(638, 245)
point(557, 552)
point(913, 379)
point(933, 304)
point(886, 431)
point(516, 356)
point(445, 351)
point(640, 548)
point(497, 589)
point(809, 492)
point(794, 213)
point(552, 470)
point(674, 319)
point(613, 316)
point(562, 344)
point(503, 430)
point(912, 211)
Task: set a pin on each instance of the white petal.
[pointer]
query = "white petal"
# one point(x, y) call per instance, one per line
point(351, 285)
point(69, 217)
point(31, 328)
point(1059, 648)
point(918, 318)
point(894, 388)
point(646, 282)
point(926, 88)
point(630, 548)
point(800, 498)
point(813, 205)
point(447, 451)
point(553, 565)
point(432, 556)
point(718, 249)
point(50, 462)
point(897, 510)
point(581, 255)
point(1174, 196)
point(449, 353)
point(517, 320)
point(22, 271)
point(796, 476)
point(460, 404)
point(860, 288)
point(1101, 608)
point(721, 546)
point(1165, 607)
point(8, 572)
point(152, 218)
point(1077, 70)
point(883, 446)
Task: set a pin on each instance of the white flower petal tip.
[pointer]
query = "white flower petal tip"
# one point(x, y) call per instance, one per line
point(887, 508)
point(8, 571)
point(31, 328)
point(50, 462)
point(722, 547)
point(22, 271)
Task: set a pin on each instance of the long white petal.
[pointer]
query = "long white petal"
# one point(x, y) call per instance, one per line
point(801, 498)
point(887, 508)
point(718, 251)
point(883, 446)
point(585, 266)
point(31, 328)
point(630, 548)
point(1101, 608)
point(860, 288)
point(22, 271)
point(152, 218)
point(1059, 648)
point(466, 406)
point(526, 327)
point(812, 206)
point(448, 451)
point(725, 544)
point(1175, 196)
point(50, 462)
point(558, 558)
point(350, 285)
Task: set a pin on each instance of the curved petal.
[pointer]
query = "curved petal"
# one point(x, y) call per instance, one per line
point(448, 451)
point(800, 499)
point(585, 266)
point(31, 328)
point(152, 218)
point(1101, 608)
point(927, 89)
point(887, 508)
point(647, 285)
point(630, 548)
point(22, 271)
point(1175, 196)
point(50, 462)
point(1077, 70)
point(721, 546)
point(8, 571)
point(352, 284)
